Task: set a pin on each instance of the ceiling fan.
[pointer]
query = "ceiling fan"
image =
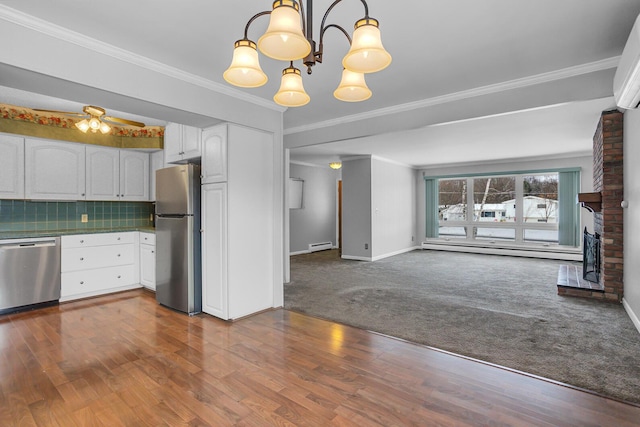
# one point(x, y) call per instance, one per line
point(95, 119)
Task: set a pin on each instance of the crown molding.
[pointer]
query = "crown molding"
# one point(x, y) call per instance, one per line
point(52, 30)
point(312, 165)
point(393, 162)
point(578, 70)
point(573, 155)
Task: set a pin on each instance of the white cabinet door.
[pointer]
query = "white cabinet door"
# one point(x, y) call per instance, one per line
point(55, 170)
point(191, 141)
point(148, 266)
point(103, 173)
point(181, 143)
point(134, 175)
point(11, 167)
point(173, 143)
point(214, 154)
point(214, 250)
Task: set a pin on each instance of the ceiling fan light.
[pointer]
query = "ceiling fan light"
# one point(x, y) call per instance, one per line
point(245, 70)
point(352, 88)
point(366, 55)
point(291, 92)
point(83, 125)
point(105, 128)
point(94, 124)
point(284, 39)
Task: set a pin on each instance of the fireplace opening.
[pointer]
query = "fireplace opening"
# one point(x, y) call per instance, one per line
point(591, 256)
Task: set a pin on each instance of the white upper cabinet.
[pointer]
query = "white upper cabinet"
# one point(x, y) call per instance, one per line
point(214, 154)
point(54, 170)
point(134, 175)
point(114, 174)
point(181, 143)
point(11, 167)
point(103, 178)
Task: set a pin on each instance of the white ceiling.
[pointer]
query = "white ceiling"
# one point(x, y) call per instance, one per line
point(439, 48)
point(553, 131)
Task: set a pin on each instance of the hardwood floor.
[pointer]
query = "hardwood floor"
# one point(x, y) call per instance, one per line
point(124, 360)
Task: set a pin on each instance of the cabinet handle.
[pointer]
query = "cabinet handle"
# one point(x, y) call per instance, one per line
point(119, 277)
point(81, 241)
point(153, 252)
point(81, 259)
point(82, 282)
point(82, 194)
point(118, 254)
point(118, 238)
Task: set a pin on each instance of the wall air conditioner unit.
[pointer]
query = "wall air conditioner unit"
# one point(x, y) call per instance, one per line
point(626, 83)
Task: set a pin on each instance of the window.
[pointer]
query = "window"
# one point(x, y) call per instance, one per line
point(520, 208)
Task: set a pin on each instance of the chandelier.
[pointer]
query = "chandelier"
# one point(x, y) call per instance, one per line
point(289, 37)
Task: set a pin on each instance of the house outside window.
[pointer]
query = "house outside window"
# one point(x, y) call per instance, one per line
point(517, 209)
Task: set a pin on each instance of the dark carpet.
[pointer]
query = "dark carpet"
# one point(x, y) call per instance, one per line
point(499, 309)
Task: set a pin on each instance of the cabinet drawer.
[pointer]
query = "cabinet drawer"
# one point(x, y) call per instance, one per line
point(99, 239)
point(95, 281)
point(147, 238)
point(75, 259)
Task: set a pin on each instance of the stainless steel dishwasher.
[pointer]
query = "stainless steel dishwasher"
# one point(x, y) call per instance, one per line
point(29, 272)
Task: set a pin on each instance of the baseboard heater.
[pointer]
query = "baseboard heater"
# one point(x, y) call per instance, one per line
point(314, 247)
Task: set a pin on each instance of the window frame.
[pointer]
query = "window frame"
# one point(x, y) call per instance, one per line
point(518, 225)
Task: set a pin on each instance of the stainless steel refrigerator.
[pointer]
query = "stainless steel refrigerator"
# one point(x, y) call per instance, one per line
point(178, 259)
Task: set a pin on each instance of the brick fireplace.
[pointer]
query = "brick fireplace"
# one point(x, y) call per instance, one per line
point(607, 212)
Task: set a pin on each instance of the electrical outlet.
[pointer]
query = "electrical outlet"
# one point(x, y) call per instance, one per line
point(84, 218)
point(366, 246)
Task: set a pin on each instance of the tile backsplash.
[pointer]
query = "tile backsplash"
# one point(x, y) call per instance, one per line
point(26, 215)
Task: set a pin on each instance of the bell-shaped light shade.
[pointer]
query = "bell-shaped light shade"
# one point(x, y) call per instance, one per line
point(367, 55)
point(94, 124)
point(335, 165)
point(83, 125)
point(283, 39)
point(352, 87)
point(245, 70)
point(104, 128)
point(291, 92)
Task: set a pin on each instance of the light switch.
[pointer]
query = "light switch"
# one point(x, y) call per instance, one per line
point(84, 218)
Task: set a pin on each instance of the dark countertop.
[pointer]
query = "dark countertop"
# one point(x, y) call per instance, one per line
point(56, 233)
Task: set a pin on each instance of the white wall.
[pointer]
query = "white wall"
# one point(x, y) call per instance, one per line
point(393, 202)
point(356, 208)
point(631, 150)
point(316, 221)
point(585, 163)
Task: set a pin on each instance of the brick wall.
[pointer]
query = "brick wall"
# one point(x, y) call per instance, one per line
point(607, 179)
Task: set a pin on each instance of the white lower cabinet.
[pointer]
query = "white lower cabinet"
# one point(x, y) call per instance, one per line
point(214, 250)
point(148, 260)
point(95, 264)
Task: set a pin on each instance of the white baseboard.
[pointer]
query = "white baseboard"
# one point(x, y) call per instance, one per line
point(379, 257)
point(356, 258)
point(401, 251)
point(299, 253)
point(632, 315)
point(306, 251)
